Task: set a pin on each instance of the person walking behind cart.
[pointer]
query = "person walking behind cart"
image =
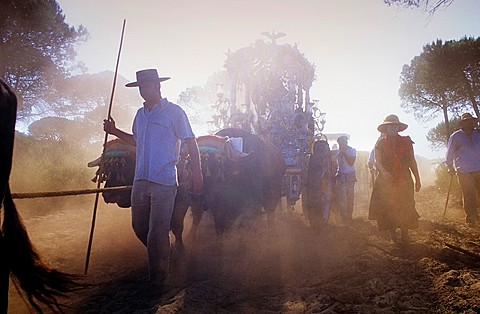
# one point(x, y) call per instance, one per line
point(345, 178)
point(392, 203)
point(371, 162)
point(463, 151)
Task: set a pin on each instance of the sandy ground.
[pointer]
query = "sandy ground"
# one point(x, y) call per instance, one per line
point(286, 269)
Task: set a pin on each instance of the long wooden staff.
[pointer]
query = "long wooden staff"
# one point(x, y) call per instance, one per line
point(109, 116)
point(448, 195)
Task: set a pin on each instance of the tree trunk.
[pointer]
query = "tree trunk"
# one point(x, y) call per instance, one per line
point(471, 96)
point(445, 118)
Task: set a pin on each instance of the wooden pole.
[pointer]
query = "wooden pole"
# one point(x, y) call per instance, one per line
point(109, 116)
point(448, 196)
point(459, 249)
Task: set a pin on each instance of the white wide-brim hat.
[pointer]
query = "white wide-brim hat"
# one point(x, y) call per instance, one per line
point(391, 120)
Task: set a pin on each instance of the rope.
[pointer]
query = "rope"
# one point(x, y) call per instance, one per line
point(66, 193)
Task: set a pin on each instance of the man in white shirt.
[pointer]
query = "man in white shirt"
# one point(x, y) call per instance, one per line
point(158, 129)
point(463, 158)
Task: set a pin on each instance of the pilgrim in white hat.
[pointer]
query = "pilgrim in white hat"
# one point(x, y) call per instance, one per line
point(391, 120)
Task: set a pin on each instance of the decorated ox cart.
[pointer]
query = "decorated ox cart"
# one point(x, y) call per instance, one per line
point(268, 106)
point(269, 95)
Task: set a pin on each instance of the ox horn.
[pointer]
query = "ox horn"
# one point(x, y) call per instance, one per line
point(232, 153)
point(221, 144)
point(214, 141)
point(95, 163)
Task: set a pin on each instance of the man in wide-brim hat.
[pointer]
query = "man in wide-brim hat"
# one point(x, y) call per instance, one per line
point(158, 129)
point(144, 76)
point(463, 158)
point(468, 118)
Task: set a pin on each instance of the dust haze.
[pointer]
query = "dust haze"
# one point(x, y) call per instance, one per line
point(254, 260)
point(284, 269)
point(242, 259)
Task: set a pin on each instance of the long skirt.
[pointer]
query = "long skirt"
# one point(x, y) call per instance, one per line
point(392, 205)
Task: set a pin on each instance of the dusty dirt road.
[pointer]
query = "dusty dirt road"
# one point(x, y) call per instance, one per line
point(288, 269)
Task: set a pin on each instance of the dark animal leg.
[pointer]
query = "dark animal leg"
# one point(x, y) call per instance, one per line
point(221, 221)
point(4, 274)
point(270, 210)
point(8, 110)
point(249, 216)
point(197, 213)
point(270, 205)
point(219, 227)
point(280, 206)
point(179, 212)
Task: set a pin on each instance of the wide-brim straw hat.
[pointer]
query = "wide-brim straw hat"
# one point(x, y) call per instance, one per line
point(391, 120)
point(148, 75)
point(467, 117)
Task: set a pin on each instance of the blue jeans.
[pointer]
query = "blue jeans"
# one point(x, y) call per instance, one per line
point(470, 184)
point(345, 190)
point(152, 208)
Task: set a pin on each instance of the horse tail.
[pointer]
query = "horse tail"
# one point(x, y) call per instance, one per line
point(38, 281)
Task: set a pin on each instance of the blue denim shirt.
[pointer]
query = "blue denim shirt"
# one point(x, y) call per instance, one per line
point(464, 151)
point(158, 133)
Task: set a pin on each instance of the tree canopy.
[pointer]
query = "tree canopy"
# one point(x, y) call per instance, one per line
point(85, 99)
point(37, 49)
point(427, 5)
point(198, 102)
point(444, 78)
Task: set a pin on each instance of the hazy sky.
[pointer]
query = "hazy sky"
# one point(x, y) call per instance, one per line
point(357, 46)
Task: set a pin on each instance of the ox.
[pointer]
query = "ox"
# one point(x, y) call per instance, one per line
point(227, 191)
point(264, 171)
point(235, 183)
point(18, 257)
point(116, 167)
